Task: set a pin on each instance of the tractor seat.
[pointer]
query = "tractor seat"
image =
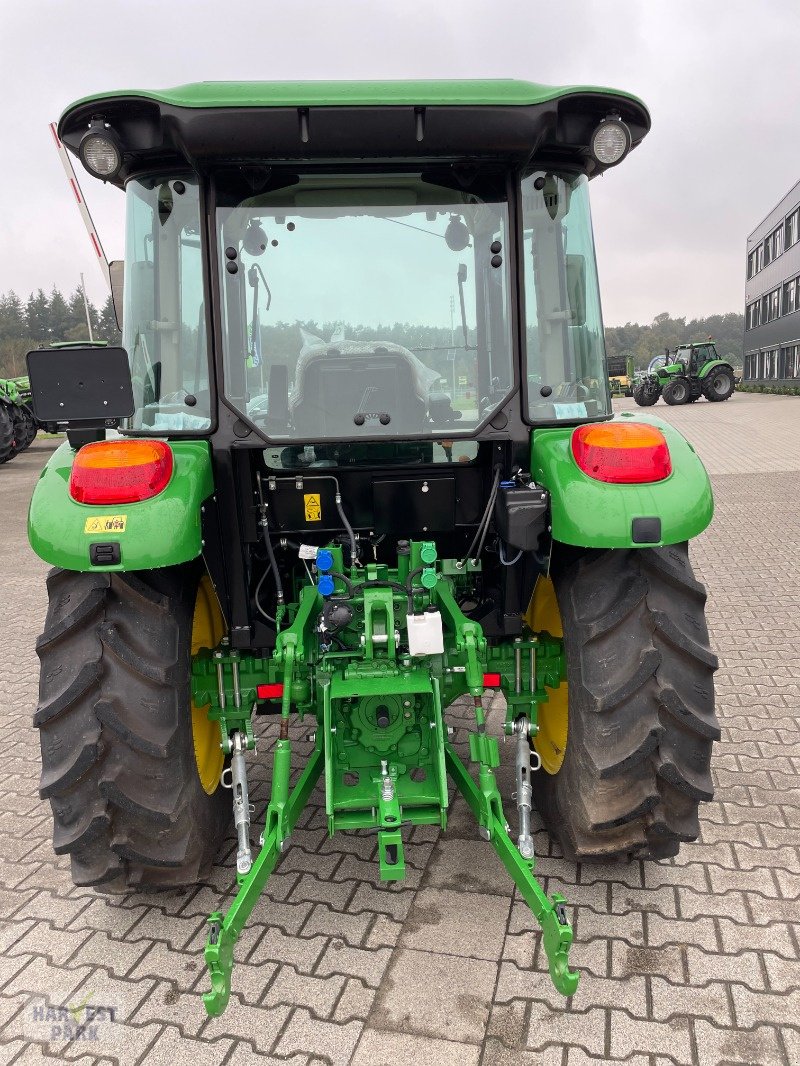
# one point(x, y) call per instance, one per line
point(336, 383)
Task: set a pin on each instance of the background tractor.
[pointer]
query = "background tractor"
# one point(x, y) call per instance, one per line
point(684, 375)
point(356, 461)
point(18, 426)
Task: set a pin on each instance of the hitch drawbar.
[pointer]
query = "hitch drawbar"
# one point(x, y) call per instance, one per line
point(381, 746)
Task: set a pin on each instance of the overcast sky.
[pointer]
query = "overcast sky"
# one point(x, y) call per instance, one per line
point(721, 79)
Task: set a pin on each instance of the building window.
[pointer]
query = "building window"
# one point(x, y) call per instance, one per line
point(790, 361)
point(790, 297)
point(770, 306)
point(777, 242)
point(754, 314)
point(751, 263)
point(793, 228)
point(759, 258)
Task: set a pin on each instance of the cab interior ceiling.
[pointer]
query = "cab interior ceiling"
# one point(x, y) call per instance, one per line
point(157, 136)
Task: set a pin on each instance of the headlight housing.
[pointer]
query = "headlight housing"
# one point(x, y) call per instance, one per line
point(611, 141)
point(100, 151)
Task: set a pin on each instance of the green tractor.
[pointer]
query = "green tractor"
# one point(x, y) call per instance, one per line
point(357, 461)
point(684, 375)
point(18, 426)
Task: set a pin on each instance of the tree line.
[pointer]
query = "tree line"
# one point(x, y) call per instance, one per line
point(43, 320)
point(643, 342)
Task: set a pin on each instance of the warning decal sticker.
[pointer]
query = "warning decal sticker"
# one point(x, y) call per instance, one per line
point(313, 505)
point(106, 523)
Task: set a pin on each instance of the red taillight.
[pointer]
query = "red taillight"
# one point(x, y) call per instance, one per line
point(120, 471)
point(269, 692)
point(491, 681)
point(626, 453)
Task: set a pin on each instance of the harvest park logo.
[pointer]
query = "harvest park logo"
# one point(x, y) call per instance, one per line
point(83, 1021)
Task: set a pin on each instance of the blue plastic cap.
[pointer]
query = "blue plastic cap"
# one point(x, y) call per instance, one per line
point(324, 560)
point(325, 585)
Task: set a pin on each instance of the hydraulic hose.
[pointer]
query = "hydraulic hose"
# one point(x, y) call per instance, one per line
point(257, 594)
point(268, 541)
point(483, 527)
point(347, 526)
point(501, 551)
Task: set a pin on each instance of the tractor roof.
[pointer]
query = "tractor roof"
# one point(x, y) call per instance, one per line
point(354, 120)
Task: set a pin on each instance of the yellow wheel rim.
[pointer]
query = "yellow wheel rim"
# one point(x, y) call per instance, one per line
point(550, 742)
point(208, 628)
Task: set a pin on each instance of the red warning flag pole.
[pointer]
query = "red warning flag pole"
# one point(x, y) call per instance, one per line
point(74, 185)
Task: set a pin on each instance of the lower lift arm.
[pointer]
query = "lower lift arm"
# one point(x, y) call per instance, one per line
point(224, 932)
point(549, 913)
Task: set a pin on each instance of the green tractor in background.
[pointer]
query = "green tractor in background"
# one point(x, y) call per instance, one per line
point(18, 426)
point(272, 505)
point(684, 375)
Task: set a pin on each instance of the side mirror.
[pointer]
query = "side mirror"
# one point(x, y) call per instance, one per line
point(576, 288)
point(116, 271)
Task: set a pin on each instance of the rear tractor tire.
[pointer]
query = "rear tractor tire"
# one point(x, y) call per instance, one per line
point(6, 434)
point(131, 769)
point(677, 392)
point(20, 430)
point(719, 385)
point(626, 740)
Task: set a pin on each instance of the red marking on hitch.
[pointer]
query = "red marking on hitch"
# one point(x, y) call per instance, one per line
point(269, 692)
point(491, 681)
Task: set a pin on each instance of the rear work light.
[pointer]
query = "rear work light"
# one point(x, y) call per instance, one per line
point(120, 471)
point(629, 453)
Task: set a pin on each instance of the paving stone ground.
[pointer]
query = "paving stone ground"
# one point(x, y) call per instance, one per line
point(693, 960)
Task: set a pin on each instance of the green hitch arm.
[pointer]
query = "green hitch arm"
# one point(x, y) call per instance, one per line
point(468, 635)
point(224, 932)
point(549, 913)
point(276, 820)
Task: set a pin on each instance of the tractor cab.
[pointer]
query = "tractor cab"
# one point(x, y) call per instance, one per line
point(356, 459)
point(694, 356)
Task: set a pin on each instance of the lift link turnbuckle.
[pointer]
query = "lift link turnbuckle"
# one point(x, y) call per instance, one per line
point(241, 803)
point(524, 794)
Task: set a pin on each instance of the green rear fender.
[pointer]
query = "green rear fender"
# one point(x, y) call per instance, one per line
point(161, 531)
point(596, 514)
point(706, 370)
